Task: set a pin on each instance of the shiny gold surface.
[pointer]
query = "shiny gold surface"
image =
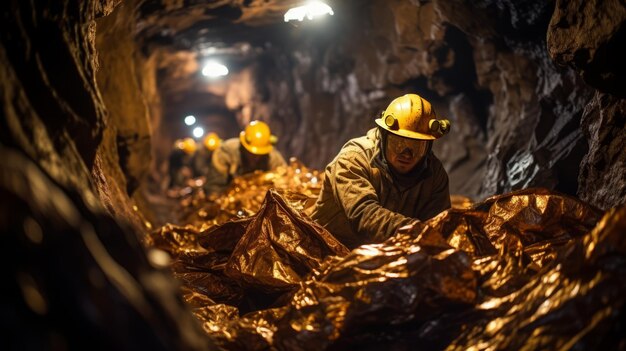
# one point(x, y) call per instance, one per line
point(532, 269)
point(297, 184)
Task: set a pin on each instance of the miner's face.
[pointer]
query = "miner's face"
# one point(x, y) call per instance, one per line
point(402, 154)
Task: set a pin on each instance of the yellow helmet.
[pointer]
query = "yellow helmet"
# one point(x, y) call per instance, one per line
point(257, 138)
point(411, 116)
point(188, 145)
point(212, 141)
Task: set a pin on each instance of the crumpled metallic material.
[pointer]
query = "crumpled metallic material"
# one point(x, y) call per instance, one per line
point(460, 201)
point(297, 184)
point(376, 286)
point(279, 248)
point(248, 262)
point(570, 294)
point(531, 269)
point(174, 239)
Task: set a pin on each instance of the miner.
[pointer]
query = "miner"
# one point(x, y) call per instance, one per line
point(202, 158)
point(253, 150)
point(386, 179)
point(179, 164)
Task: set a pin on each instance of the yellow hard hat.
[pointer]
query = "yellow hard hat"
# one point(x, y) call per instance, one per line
point(257, 138)
point(188, 145)
point(411, 116)
point(212, 141)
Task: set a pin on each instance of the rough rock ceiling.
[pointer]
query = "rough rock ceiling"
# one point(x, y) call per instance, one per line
point(198, 25)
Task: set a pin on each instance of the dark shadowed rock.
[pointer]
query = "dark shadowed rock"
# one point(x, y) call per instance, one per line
point(590, 36)
point(602, 176)
point(76, 279)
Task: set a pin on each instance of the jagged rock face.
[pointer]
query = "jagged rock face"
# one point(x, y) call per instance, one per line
point(121, 89)
point(589, 36)
point(51, 107)
point(76, 276)
point(602, 176)
point(53, 110)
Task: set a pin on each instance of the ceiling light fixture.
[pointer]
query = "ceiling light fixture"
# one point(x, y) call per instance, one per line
point(198, 132)
point(310, 11)
point(190, 120)
point(214, 69)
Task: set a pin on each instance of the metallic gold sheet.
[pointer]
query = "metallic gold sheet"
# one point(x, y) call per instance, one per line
point(531, 269)
point(248, 263)
point(297, 184)
point(279, 248)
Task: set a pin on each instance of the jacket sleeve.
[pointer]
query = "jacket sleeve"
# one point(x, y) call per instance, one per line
point(355, 193)
point(218, 175)
point(276, 160)
point(440, 197)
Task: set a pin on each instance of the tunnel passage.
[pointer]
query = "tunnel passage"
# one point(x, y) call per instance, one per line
point(94, 95)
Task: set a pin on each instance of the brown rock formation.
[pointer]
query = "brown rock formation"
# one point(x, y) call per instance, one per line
point(76, 276)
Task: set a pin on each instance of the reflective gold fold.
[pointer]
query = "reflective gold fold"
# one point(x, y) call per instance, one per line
point(297, 184)
point(531, 269)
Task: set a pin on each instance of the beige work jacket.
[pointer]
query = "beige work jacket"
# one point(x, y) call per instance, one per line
point(227, 163)
point(360, 203)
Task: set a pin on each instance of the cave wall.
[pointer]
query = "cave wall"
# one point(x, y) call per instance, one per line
point(56, 113)
point(589, 37)
point(127, 90)
point(120, 85)
point(76, 274)
point(602, 175)
point(134, 138)
point(52, 110)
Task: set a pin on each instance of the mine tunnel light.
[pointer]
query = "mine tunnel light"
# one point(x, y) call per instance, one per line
point(190, 120)
point(214, 69)
point(310, 11)
point(198, 132)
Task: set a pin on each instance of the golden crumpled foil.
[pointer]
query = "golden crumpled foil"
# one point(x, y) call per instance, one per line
point(460, 201)
point(296, 183)
point(279, 248)
point(531, 269)
point(248, 263)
